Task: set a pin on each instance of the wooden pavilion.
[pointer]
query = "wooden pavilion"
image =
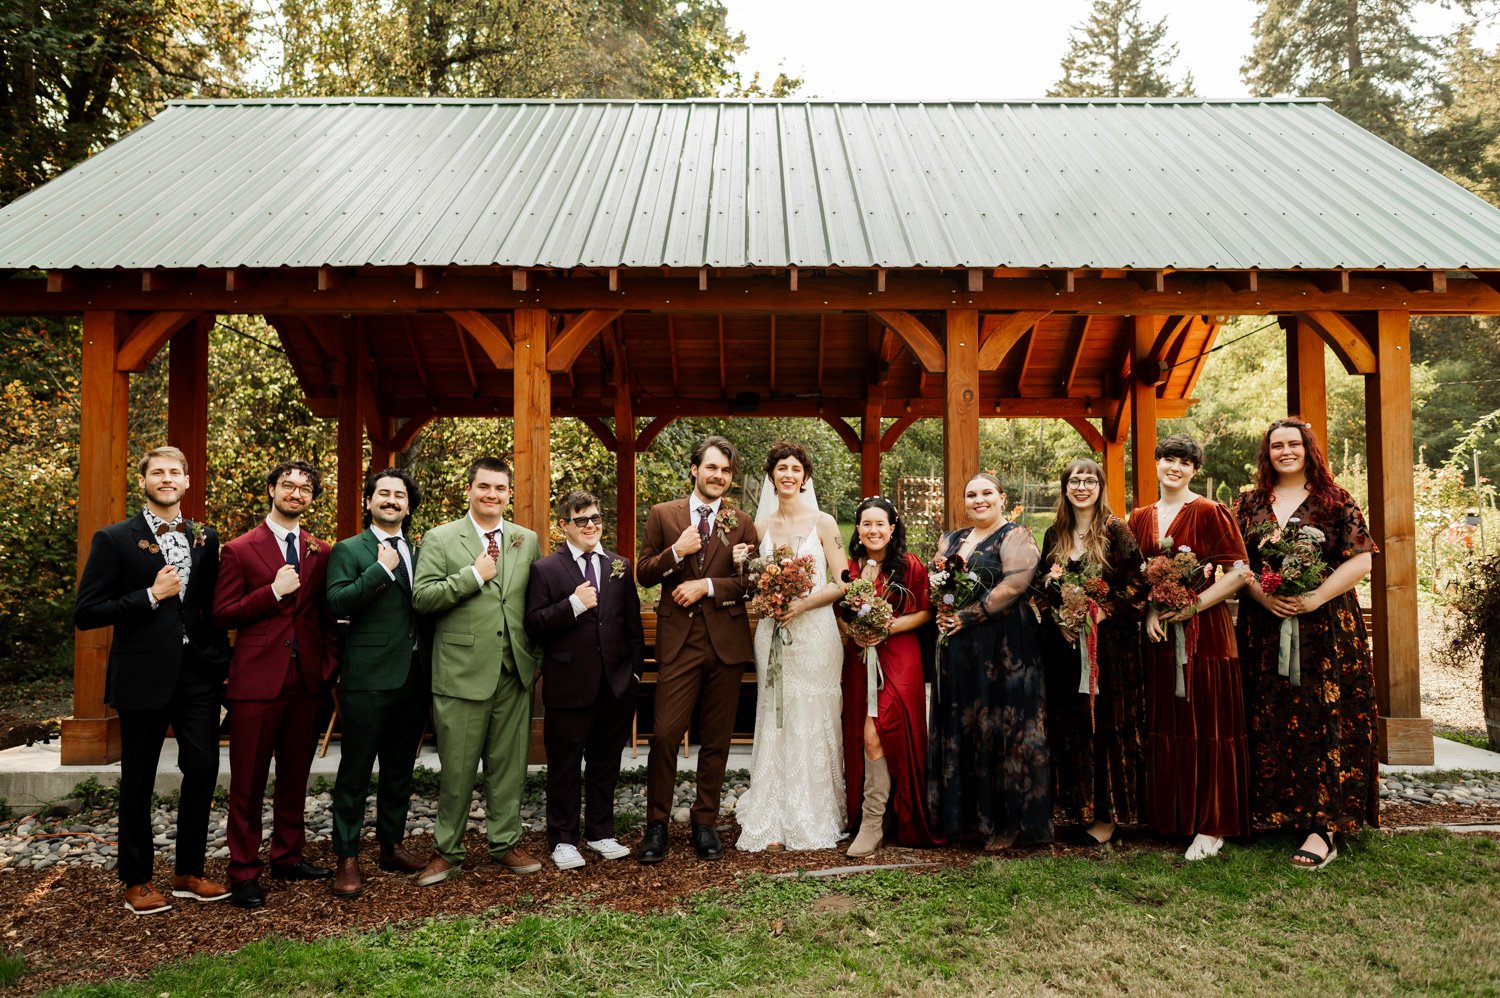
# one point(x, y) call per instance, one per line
point(630, 263)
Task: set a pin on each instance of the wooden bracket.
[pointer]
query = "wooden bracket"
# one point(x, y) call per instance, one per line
point(653, 429)
point(148, 336)
point(924, 346)
point(576, 334)
point(1091, 435)
point(999, 333)
point(844, 430)
point(488, 336)
point(1344, 339)
point(601, 430)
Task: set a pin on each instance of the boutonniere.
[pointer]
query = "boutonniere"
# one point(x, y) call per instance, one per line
point(727, 521)
point(148, 546)
point(312, 547)
point(617, 568)
point(199, 532)
point(515, 538)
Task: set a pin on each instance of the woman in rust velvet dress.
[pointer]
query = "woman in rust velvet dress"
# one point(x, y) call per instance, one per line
point(885, 753)
point(1313, 745)
point(1197, 777)
point(1098, 742)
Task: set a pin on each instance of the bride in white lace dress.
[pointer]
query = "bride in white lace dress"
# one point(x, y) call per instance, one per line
point(796, 795)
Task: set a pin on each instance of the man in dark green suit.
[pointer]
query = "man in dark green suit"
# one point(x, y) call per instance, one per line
point(386, 679)
point(472, 581)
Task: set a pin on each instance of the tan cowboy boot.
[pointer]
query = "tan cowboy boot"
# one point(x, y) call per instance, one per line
point(872, 825)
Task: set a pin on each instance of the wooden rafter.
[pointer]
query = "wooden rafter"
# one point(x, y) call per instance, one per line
point(1489, 278)
point(577, 333)
point(147, 337)
point(822, 322)
point(672, 354)
point(1344, 339)
point(772, 371)
point(1090, 433)
point(418, 361)
point(489, 337)
point(723, 374)
point(845, 432)
point(917, 337)
point(1000, 333)
point(463, 344)
point(1201, 360)
point(1076, 362)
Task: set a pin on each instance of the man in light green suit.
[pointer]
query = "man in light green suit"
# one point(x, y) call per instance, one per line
point(472, 580)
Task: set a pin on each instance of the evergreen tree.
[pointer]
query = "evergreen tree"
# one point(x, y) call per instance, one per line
point(1114, 53)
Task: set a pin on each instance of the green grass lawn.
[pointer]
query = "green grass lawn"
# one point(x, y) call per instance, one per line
point(1394, 915)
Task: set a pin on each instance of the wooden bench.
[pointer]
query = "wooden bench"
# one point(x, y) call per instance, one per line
point(649, 678)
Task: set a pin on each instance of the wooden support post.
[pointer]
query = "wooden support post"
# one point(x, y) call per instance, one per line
point(531, 493)
point(960, 410)
point(187, 408)
point(351, 437)
point(382, 447)
point(92, 735)
point(625, 494)
point(1114, 474)
point(1306, 383)
point(1405, 736)
point(869, 448)
point(1143, 411)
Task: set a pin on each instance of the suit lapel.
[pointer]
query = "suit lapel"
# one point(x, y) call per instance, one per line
point(142, 531)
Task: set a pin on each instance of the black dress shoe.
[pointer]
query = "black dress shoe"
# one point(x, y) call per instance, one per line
point(653, 848)
point(301, 870)
point(247, 894)
point(706, 841)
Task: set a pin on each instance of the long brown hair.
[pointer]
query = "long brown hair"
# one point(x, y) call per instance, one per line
point(1096, 541)
point(1320, 482)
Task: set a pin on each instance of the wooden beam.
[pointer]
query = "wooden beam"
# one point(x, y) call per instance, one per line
point(1419, 281)
point(880, 276)
point(1242, 281)
point(406, 434)
point(960, 410)
point(1143, 412)
point(672, 354)
point(1330, 282)
point(976, 279)
point(1489, 278)
point(187, 408)
point(350, 430)
point(602, 431)
point(917, 337)
point(1001, 333)
point(771, 372)
point(577, 333)
point(237, 279)
point(653, 429)
point(1090, 434)
point(702, 278)
point(62, 281)
point(1064, 281)
point(626, 512)
point(1114, 476)
point(844, 431)
point(92, 735)
point(822, 324)
point(154, 279)
point(426, 278)
point(1070, 383)
point(147, 337)
point(489, 337)
point(723, 378)
point(520, 280)
point(1306, 382)
point(869, 445)
point(792, 278)
point(1150, 281)
point(893, 433)
point(1406, 735)
point(417, 359)
point(532, 489)
point(1344, 339)
point(330, 279)
point(614, 279)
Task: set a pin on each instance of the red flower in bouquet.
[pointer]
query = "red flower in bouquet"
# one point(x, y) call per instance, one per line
point(776, 580)
point(1172, 577)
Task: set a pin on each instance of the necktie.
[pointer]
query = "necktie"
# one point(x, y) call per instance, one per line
point(491, 545)
point(704, 512)
point(589, 575)
point(291, 552)
point(405, 579)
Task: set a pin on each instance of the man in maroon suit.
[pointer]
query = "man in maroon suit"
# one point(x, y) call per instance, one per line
point(271, 585)
point(582, 608)
point(702, 641)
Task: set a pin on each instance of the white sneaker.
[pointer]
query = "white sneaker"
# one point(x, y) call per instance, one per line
point(609, 848)
point(566, 856)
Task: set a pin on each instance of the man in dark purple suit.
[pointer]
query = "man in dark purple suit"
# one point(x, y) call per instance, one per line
point(582, 607)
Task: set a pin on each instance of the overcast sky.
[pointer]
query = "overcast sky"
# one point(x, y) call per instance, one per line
point(884, 49)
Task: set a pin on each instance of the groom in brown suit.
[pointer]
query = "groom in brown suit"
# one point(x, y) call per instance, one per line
point(702, 640)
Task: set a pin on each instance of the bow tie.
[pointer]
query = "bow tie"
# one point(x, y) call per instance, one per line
point(165, 528)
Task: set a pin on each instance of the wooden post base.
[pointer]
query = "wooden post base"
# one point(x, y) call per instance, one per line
point(1406, 741)
point(536, 751)
point(90, 741)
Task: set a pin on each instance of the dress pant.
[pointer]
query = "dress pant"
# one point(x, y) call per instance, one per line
point(696, 676)
point(383, 725)
point(285, 728)
point(595, 736)
point(497, 732)
point(193, 713)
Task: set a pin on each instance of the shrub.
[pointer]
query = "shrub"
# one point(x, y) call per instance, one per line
point(1473, 630)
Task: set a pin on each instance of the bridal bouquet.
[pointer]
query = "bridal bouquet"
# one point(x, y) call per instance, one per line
point(1074, 598)
point(775, 580)
point(1172, 577)
point(951, 584)
point(868, 616)
point(1291, 564)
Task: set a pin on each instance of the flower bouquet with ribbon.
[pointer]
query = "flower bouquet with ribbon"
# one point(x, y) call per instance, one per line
point(1291, 564)
point(951, 585)
point(775, 580)
point(1172, 577)
point(1074, 599)
point(867, 617)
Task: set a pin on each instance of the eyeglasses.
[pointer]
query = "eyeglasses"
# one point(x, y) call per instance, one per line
point(588, 521)
point(1083, 483)
point(294, 490)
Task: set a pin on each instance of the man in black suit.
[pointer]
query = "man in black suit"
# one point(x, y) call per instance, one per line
point(152, 578)
point(582, 607)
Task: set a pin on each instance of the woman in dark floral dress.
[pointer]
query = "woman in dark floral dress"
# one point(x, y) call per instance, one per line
point(1098, 743)
point(988, 773)
point(1313, 742)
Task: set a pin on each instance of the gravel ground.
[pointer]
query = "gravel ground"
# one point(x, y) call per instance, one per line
point(1450, 696)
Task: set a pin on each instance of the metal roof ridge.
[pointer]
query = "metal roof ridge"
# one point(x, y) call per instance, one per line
point(800, 101)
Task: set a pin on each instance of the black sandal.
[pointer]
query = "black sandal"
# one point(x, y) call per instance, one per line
point(1306, 859)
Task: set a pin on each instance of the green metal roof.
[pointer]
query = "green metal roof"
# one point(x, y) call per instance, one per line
point(1186, 184)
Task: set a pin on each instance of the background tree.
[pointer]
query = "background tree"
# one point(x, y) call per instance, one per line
point(1114, 53)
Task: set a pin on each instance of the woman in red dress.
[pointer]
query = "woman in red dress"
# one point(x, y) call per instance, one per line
point(1197, 779)
point(1312, 728)
point(885, 753)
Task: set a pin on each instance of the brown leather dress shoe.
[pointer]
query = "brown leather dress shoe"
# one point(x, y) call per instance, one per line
point(198, 888)
point(518, 860)
point(397, 859)
point(347, 882)
point(436, 871)
point(142, 899)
